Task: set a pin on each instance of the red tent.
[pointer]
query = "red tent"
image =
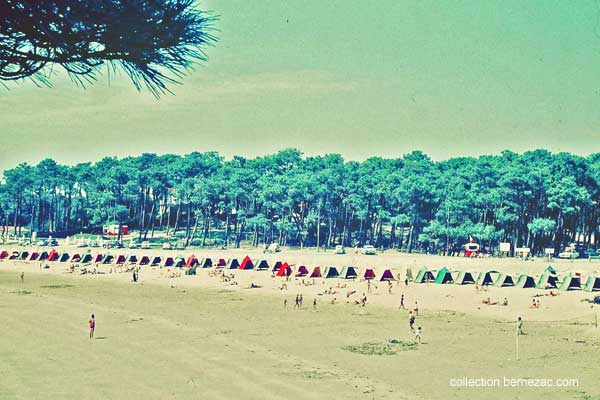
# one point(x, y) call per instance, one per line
point(246, 263)
point(276, 266)
point(53, 255)
point(387, 276)
point(285, 270)
point(3, 255)
point(316, 273)
point(191, 261)
point(302, 271)
point(369, 274)
point(221, 262)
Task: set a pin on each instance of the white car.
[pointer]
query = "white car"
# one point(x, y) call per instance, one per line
point(167, 246)
point(145, 245)
point(369, 250)
point(568, 254)
point(82, 243)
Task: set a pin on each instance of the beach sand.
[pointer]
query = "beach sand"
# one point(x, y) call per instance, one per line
point(198, 337)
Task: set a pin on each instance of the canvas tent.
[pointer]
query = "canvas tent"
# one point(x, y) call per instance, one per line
point(369, 274)
point(331, 272)
point(64, 257)
point(349, 273)
point(316, 272)
point(145, 260)
point(262, 264)
point(34, 256)
point(444, 276)
point(76, 257)
point(424, 276)
point(107, 259)
point(3, 254)
point(464, 278)
point(284, 270)
point(86, 258)
point(121, 259)
point(169, 262)
point(14, 255)
point(192, 261)
point(592, 284)
point(206, 262)
point(571, 282)
point(179, 261)
point(43, 256)
point(387, 276)
point(504, 280)
point(233, 263)
point(276, 266)
point(486, 278)
point(24, 255)
point(98, 259)
point(525, 281)
point(247, 263)
point(221, 262)
point(548, 280)
point(302, 271)
point(132, 259)
point(156, 261)
point(53, 255)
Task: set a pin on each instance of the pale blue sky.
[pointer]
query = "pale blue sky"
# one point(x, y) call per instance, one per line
point(357, 78)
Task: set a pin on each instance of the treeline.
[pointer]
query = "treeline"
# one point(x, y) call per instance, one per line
point(536, 199)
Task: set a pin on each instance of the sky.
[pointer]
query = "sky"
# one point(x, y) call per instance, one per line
point(363, 79)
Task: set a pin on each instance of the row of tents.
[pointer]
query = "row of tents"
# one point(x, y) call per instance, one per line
point(279, 268)
point(548, 279)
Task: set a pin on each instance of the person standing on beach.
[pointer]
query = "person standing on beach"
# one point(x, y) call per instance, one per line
point(22, 277)
point(284, 303)
point(416, 310)
point(411, 321)
point(402, 302)
point(315, 304)
point(92, 323)
point(369, 286)
point(390, 287)
point(519, 326)
point(300, 302)
point(297, 302)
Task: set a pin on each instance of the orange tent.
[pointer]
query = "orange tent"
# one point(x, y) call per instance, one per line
point(247, 263)
point(285, 270)
point(53, 255)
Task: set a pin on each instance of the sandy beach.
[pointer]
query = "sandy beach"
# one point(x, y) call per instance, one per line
point(163, 336)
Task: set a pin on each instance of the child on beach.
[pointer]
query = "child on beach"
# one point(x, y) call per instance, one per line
point(411, 321)
point(418, 335)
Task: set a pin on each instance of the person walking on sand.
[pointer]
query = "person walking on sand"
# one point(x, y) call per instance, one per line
point(297, 302)
point(402, 302)
point(92, 323)
point(416, 310)
point(284, 303)
point(369, 286)
point(405, 281)
point(390, 287)
point(300, 302)
point(411, 321)
point(418, 335)
point(315, 304)
point(22, 277)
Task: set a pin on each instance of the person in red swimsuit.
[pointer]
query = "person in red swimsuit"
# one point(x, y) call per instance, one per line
point(92, 326)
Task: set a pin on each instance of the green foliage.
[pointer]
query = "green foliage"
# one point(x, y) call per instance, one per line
point(532, 199)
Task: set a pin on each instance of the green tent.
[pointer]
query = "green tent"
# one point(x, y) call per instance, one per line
point(424, 276)
point(571, 282)
point(464, 278)
point(349, 273)
point(548, 280)
point(331, 272)
point(444, 276)
point(485, 278)
point(525, 281)
point(592, 284)
point(504, 280)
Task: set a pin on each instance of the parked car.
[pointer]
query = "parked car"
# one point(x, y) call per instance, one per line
point(369, 250)
point(42, 242)
point(52, 242)
point(569, 254)
point(145, 244)
point(133, 244)
point(340, 250)
point(82, 243)
point(94, 243)
point(167, 246)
